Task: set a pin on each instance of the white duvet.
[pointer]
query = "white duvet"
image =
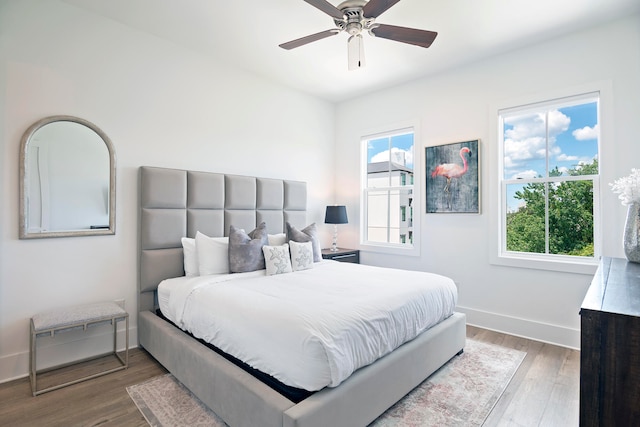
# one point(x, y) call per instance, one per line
point(309, 329)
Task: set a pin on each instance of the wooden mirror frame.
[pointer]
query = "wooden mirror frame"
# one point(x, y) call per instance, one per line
point(24, 176)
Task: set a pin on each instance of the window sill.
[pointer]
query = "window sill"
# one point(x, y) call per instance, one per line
point(391, 250)
point(579, 266)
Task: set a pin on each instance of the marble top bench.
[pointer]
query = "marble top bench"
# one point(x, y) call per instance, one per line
point(74, 317)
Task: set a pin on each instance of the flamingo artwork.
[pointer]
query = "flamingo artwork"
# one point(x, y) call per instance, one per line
point(461, 192)
point(452, 170)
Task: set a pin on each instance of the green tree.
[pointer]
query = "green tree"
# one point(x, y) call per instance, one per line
point(570, 215)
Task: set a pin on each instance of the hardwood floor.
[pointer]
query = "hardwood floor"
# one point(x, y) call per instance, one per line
point(102, 401)
point(543, 392)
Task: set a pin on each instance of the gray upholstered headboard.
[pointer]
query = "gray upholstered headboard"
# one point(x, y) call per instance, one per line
point(175, 203)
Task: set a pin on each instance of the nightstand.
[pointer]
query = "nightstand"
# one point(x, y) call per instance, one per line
point(342, 255)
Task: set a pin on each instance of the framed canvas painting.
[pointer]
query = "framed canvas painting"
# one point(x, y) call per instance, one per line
point(453, 178)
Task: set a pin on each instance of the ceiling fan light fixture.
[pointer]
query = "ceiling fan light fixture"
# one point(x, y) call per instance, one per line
point(356, 16)
point(356, 52)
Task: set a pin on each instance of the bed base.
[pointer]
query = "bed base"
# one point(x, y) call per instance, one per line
point(242, 400)
point(175, 203)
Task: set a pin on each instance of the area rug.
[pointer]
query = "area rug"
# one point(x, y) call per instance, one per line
point(461, 393)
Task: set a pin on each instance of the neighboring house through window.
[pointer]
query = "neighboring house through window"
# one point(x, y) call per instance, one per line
point(388, 189)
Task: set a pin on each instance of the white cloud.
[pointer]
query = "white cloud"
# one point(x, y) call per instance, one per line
point(527, 139)
point(402, 157)
point(586, 133)
point(525, 174)
point(566, 158)
point(558, 123)
point(533, 126)
point(516, 150)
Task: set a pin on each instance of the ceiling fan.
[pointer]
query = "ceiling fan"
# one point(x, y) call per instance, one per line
point(355, 16)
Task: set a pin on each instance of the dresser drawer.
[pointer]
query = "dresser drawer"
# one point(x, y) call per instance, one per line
point(342, 255)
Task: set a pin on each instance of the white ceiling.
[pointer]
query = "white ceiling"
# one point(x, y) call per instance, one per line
point(246, 34)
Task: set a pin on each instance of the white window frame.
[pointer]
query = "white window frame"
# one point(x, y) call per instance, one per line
point(408, 249)
point(498, 254)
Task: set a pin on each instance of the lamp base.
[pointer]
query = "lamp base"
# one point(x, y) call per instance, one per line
point(334, 245)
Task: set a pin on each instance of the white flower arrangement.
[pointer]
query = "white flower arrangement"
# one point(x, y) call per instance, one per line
point(628, 187)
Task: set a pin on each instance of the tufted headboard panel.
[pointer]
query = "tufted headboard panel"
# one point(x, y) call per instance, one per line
point(176, 203)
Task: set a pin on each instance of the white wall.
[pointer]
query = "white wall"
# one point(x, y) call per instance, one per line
point(161, 105)
point(456, 106)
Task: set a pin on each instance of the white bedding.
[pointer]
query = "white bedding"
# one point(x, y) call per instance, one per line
point(309, 329)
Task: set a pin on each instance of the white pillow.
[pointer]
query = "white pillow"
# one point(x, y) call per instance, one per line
point(190, 257)
point(301, 255)
point(277, 259)
point(213, 254)
point(277, 239)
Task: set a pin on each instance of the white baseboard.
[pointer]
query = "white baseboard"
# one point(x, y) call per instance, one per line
point(525, 328)
point(64, 347)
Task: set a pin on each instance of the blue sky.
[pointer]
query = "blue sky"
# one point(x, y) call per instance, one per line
point(401, 149)
point(573, 139)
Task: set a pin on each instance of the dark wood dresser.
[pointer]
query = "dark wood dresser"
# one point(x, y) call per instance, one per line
point(610, 346)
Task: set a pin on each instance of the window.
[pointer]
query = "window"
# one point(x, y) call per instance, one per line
point(549, 179)
point(387, 188)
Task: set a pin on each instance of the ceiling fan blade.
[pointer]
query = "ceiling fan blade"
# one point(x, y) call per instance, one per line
point(375, 8)
point(405, 35)
point(355, 52)
point(308, 39)
point(327, 8)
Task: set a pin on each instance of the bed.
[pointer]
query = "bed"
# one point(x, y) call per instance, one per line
point(178, 203)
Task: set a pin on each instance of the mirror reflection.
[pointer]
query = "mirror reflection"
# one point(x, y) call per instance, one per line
point(68, 179)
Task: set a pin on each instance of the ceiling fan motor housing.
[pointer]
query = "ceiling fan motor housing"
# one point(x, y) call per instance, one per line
point(354, 20)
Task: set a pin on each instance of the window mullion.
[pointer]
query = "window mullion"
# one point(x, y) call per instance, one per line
point(546, 218)
point(388, 216)
point(546, 187)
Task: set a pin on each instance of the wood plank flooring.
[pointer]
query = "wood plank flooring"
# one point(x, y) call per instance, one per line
point(544, 391)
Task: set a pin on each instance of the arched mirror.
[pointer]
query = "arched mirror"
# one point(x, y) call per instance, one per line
point(67, 179)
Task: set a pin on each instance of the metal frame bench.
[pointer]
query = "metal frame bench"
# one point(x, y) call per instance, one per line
point(83, 316)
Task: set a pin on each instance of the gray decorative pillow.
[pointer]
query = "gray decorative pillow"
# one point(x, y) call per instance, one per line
point(277, 259)
point(245, 250)
point(307, 234)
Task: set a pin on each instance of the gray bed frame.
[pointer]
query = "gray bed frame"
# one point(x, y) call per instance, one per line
point(175, 203)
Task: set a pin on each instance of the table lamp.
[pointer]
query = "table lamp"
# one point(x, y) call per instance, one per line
point(335, 215)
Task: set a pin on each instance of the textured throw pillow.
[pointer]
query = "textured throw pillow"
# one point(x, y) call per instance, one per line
point(212, 253)
point(277, 259)
point(277, 239)
point(307, 234)
point(190, 257)
point(245, 250)
point(301, 255)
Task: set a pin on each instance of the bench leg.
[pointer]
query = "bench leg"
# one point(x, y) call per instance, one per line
point(32, 360)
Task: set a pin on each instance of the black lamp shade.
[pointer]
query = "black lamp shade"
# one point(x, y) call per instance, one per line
point(336, 215)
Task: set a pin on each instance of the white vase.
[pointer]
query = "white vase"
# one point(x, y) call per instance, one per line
point(631, 238)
